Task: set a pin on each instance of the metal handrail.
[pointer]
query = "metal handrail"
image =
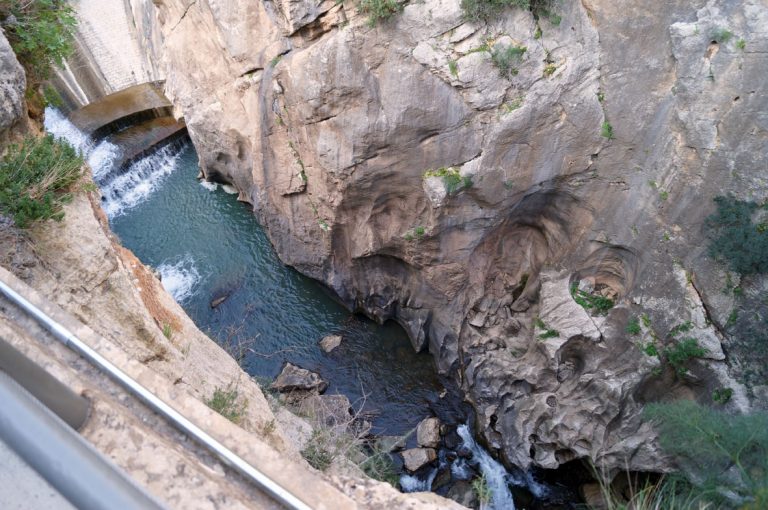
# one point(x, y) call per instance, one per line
point(179, 421)
point(62, 457)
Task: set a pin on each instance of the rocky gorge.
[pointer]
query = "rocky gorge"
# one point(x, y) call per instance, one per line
point(397, 164)
point(527, 196)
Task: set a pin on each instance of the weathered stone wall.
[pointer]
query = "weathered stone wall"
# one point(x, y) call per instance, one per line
point(13, 83)
point(109, 51)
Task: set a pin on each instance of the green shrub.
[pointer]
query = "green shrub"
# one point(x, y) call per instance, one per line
point(633, 326)
point(34, 177)
point(591, 302)
point(482, 490)
point(476, 10)
point(741, 44)
point(546, 331)
point(680, 328)
point(680, 353)
point(507, 58)
point(378, 464)
point(453, 67)
point(721, 35)
point(42, 35)
point(650, 349)
point(419, 231)
point(316, 452)
point(52, 98)
point(452, 179)
point(722, 395)
point(606, 130)
point(379, 10)
point(484, 10)
point(724, 456)
point(227, 402)
point(735, 238)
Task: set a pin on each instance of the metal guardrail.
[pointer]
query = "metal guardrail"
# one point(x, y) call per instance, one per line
point(62, 457)
point(226, 455)
point(60, 399)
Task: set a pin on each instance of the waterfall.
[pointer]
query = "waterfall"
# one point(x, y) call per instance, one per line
point(121, 188)
point(142, 178)
point(495, 475)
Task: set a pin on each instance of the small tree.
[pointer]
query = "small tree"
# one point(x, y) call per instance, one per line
point(725, 457)
point(735, 238)
point(41, 33)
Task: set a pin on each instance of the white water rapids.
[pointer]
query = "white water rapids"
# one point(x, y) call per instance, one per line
point(497, 478)
point(125, 189)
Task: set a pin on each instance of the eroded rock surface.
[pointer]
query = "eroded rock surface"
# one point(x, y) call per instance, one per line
point(13, 82)
point(328, 126)
point(294, 378)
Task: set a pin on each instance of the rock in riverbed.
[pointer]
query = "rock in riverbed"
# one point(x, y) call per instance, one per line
point(416, 458)
point(428, 433)
point(294, 378)
point(330, 342)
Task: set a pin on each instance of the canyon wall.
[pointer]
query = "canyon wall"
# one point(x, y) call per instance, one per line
point(77, 271)
point(592, 160)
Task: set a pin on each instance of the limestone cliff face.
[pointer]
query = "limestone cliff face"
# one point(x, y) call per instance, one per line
point(14, 82)
point(328, 126)
point(78, 272)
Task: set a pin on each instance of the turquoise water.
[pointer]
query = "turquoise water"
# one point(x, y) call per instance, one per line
point(207, 244)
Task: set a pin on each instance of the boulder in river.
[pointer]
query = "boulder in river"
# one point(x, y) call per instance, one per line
point(216, 301)
point(330, 342)
point(416, 458)
point(294, 378)
point(428, 433)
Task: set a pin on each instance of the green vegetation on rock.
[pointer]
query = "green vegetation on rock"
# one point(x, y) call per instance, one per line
point(34, 178)
point(606, 130)
point(590, 302)
point(484, 10)
point(547, 332)
point(379, 10)
point(41, 33)
point(723, 457)
point(507, 58)
point(633, 326)
point(452, 179)
point(681, 352)
point(227, 402)
point(735, 238)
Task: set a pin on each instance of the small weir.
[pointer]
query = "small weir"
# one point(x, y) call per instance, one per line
point(208, 248)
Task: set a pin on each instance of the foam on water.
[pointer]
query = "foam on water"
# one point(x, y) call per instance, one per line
point(494, 472)
point(460, 470)
point(102, 158)
point(412, 483)
point(142, 178)
point(60, 127)
point(179, 278)
point(127, 189)
point(210, 186)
